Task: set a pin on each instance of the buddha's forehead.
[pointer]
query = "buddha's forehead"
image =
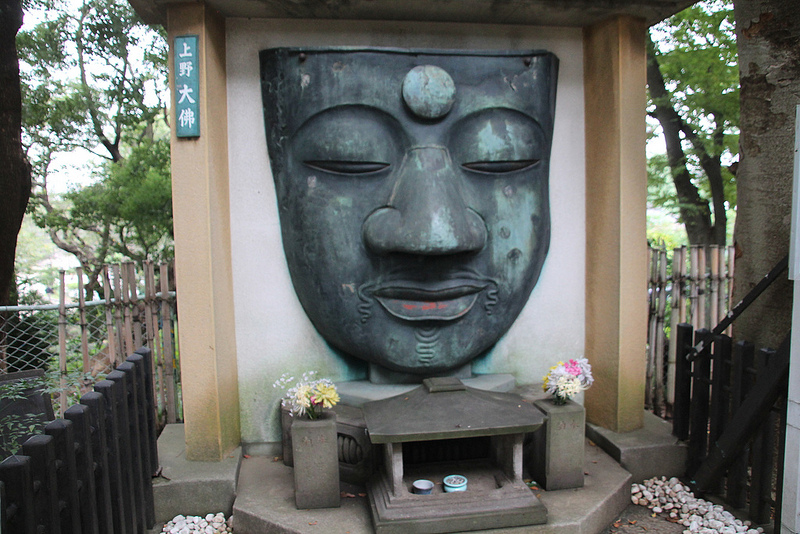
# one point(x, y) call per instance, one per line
point(301, 83)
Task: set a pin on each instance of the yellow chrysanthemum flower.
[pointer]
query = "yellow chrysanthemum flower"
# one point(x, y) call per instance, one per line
point(326, 394)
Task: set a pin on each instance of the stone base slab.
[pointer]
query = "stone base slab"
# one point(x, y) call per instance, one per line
point(636, 450)
point(192, 488)
point(491, 500)
point(265, 502)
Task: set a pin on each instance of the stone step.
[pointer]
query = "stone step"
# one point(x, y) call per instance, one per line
point(635, 450)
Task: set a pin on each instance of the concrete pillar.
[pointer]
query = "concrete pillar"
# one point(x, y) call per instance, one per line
point(616, 201)
point(201, 215)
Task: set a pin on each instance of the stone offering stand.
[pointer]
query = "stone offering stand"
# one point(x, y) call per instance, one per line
point(444, 427)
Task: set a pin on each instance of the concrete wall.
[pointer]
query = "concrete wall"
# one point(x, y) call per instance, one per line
point(790, 518)
point(273, 334)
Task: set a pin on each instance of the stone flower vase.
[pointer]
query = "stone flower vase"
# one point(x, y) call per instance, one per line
point(316, 462)
point(558, 445)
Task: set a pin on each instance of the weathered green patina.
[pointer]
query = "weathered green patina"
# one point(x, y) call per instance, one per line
point(413, 194)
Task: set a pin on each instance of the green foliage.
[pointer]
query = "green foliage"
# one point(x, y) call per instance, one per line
point(16, 428)
point(697, 56)
point(94, 83)
point(34, 251)
point(660, 189)
point(134, 201)
point(663, 231)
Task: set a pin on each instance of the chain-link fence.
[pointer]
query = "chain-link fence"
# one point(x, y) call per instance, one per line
point(78, 342)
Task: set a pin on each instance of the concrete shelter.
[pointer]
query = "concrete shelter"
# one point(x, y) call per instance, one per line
point(241, 324)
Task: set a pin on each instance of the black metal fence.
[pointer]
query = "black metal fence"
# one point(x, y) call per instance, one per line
point(730, 406)
point(90, 472)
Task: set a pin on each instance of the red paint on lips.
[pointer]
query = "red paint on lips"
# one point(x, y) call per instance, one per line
point(426, 306)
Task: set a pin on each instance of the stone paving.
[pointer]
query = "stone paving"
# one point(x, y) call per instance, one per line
point(633, 520)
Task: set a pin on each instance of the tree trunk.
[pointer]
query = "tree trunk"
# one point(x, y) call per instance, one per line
point(695, 211)
point(15, 174)
point(768, 33)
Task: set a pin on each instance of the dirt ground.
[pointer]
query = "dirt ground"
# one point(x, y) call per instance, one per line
point(638, 519)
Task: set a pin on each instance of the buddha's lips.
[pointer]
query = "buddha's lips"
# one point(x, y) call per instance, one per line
point(429, 302)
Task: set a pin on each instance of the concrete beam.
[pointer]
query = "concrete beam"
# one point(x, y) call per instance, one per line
point(533, 12)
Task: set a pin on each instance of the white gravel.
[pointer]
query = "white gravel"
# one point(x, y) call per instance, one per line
point(676, 501)
point(210, 524)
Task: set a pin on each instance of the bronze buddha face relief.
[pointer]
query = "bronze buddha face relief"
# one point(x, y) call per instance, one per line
point(412, 190)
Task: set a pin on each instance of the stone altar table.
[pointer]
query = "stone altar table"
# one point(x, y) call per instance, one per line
point(444, 427)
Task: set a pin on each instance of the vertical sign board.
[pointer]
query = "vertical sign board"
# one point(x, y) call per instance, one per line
point(187, 87)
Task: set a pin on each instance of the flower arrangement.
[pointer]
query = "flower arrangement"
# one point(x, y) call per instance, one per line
point(307, 397)
point(565, 380)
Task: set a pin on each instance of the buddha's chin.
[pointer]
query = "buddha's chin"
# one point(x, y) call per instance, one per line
point(426, 348)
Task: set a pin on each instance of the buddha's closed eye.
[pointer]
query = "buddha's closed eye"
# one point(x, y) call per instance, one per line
point(500, 167)
point(347, 167)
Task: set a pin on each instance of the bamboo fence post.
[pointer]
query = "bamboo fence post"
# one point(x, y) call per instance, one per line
point(149, 297)
point(694, 274)
point(136, 317)
point(3, 343)
point(714, 310)
point(82, 319)
point(123, 312)
point(674, 321)
point(3, 350)
point(151, 318)
point(166, 336)
point(651, 323)
point(677, 316)
point(702, 291)
point(722, 295)
point(659, 340)
point(681, 284)
point(115, 269)
point(112, 341)
point(62, 342)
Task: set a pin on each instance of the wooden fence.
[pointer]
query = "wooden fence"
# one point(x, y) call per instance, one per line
point(730, 407)
point(88, 338)
point(90, 472)
point(690, 285)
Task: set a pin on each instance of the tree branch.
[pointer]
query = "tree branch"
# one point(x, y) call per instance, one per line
point(97, 127)
point(694, 211)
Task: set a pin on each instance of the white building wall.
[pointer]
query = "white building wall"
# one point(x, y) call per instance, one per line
point(272, 332)
point(790, 516)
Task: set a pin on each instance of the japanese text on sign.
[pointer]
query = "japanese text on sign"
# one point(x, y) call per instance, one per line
point(187, 86)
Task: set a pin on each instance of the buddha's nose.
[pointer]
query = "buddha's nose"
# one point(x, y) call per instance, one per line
point(426, 213)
